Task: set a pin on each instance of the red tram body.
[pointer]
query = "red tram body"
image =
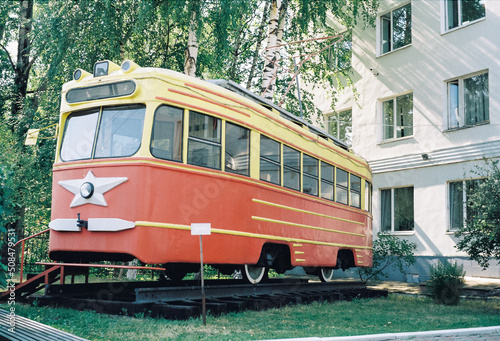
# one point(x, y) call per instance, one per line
point(146, 152)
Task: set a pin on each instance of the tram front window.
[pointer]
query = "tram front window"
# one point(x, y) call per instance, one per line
point(79, 136)
point(119, 133)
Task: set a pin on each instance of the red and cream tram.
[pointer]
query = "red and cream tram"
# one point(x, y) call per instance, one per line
point(145, 152)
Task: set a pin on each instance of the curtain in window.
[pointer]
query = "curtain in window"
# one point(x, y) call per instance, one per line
point(386, 210)
point(476, 99)
point(456, 205)
point(403, 209)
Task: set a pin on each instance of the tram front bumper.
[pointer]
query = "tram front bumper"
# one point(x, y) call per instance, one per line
point(93, 224)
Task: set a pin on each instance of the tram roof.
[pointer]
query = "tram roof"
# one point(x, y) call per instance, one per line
point(236, 88)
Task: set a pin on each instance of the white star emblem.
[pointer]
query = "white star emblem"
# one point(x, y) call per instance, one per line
point(101, 186)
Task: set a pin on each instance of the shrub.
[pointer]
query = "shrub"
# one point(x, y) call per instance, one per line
point(446, 282)
point(389, 252)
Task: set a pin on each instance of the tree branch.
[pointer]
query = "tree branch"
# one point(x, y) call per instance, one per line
point(10, 59)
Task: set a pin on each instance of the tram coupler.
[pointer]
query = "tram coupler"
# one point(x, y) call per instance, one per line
point(81, 223)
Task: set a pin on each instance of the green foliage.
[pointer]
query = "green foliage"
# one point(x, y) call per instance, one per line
point(394, 314)
point(446, 282)
point(480, 236)
point(66, 35)
point(389, 252)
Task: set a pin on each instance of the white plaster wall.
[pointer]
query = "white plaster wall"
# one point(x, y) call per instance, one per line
point(423, 68)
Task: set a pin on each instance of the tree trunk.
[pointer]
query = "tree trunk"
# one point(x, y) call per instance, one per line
point(191, 52)
point(22, 67)
point(258, 44)
point(270, 66)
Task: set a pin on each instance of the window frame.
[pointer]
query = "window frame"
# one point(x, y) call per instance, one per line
point(394, 119)
point(270, 161)
point(100, 111)
point(287, 168)
point(204, 141)
point(381, 31)
point(307, 175)
point(341, 187)
point(464, 197)
point(445, 16)
point(151, 148)
point(334, 119)
point(461, 101)
point(353, 191)
point(393, 211)
point(226, 169)
point(327, 182)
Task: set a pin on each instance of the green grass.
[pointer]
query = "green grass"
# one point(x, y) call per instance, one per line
point(359, 317)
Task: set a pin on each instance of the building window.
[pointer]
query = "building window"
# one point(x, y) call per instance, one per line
point(340, 126)
point(327, 181)
point(204, 142)
point(237, 149)
point(270, 160)
point(397, 209)
point(462, 12)
point(468, 101)
point(355, 190)
point(459, 199)
point(310, 177)
point(291, 168)
point(343, 52)
point(395, 29)
point(342, 183)
point(166, 139)
point(398, 117)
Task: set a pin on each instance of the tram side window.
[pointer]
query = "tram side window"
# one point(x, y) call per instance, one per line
point(310, 165)
point(327, 181)
point(237, 149)
point(166, 140)
point(342, 184)
point(79, 134)
point(120, 131)
point(368, 196)
point(291, 168)
point(355, 191)
point(270, 164)
point(204, 142)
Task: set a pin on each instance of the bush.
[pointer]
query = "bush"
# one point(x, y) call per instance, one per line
point(446, 282)
point(389, 252)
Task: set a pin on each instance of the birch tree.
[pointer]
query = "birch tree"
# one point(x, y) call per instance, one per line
point(191, 52)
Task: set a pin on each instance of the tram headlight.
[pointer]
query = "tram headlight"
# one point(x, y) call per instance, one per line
point(80, 74)
point(87, 190)
point(129, 66)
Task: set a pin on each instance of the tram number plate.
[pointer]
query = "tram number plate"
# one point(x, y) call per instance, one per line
point(200, 229)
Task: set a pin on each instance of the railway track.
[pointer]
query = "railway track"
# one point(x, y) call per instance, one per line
point(158, 299)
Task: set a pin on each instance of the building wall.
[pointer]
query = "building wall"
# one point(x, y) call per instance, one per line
point(423, 68)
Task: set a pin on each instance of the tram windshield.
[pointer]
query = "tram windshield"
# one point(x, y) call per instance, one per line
point(101, 133)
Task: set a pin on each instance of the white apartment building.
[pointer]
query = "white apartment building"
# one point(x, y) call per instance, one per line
point(426, 111)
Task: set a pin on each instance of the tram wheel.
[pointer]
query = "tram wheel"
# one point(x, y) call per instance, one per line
point(254, 274)
point(175, 272)
point(326, 274)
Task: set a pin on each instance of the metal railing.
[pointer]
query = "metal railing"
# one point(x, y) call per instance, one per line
point(22, 249)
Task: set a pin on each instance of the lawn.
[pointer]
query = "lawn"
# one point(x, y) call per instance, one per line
point(359, 317)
